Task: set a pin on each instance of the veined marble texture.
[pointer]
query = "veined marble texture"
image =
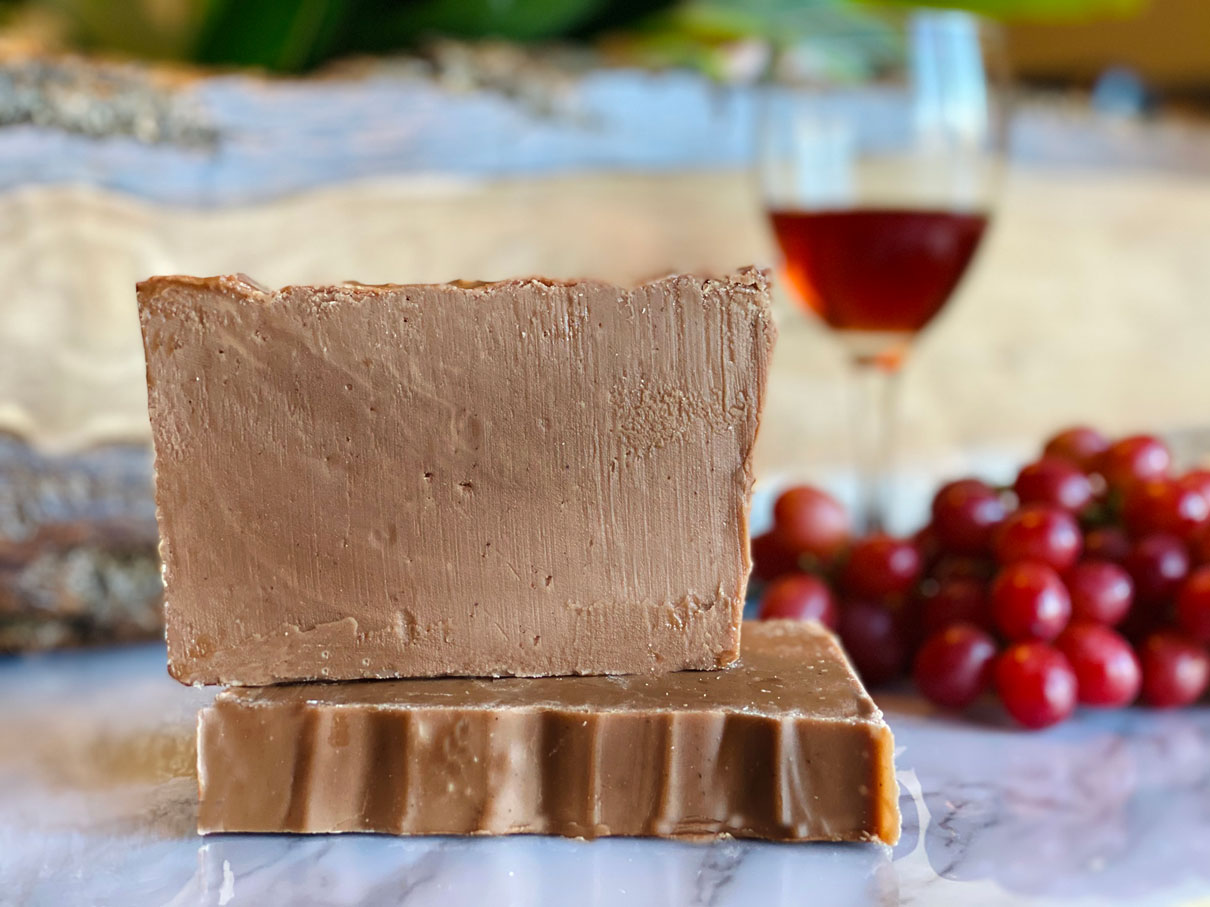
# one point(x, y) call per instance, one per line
point(98, 801)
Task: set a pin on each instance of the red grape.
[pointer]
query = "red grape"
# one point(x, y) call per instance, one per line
point(769, 559)
point(906, 611)
point(1158, 565)
point(1197, 480)
point(1193, 605)
point(1100, 591)
point(1109, 543)
point(1029, 601)
point(1141, 622)
point(1175, 670)
point(1164, 505)
point(1107, 672)
point(809, 521)
point(1039, 533)
point(881, 565)
point(954, 666)
point(1079, 445)
point(927, 544)
point(965, 513)
point(1134, 459)
point(1036, 684)
point(873, 640)
point(1056, 482)
point(958, 566)
point(956, 601)
point(1199, 545)
point(799, 596)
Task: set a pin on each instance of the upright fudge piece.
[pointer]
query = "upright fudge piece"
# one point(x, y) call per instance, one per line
point(786, 745)
point(520, 478)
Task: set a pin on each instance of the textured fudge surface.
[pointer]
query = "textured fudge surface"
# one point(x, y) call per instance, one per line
point(786, 745)
point(519, 478)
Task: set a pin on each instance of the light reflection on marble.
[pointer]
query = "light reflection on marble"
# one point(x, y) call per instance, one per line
point(97, 807)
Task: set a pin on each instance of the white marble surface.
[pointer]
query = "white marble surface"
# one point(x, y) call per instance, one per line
point(97, 807)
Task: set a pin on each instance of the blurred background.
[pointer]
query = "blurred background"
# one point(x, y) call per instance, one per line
point(309, 141)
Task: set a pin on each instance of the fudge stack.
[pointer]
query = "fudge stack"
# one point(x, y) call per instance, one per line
point(471, 559)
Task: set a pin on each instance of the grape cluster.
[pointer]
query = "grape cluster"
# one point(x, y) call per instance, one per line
point(1085, 582)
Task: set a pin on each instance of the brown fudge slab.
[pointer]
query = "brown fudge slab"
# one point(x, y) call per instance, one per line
point(786, 745)
point(520, 478)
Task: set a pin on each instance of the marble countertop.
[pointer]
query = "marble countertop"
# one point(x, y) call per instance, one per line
point(97, 806)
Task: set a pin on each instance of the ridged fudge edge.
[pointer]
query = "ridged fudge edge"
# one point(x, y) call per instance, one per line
point(545, 771)
point(319, 758)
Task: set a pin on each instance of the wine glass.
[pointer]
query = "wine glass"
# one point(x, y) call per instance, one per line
point(879, 153)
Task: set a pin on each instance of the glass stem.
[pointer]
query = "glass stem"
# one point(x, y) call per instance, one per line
point(875, 414)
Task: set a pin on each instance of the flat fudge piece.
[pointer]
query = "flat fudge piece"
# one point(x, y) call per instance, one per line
point(521, 478)
point(786, 746)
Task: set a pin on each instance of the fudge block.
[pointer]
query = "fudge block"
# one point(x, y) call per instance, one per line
point(529, 478)
point(787, 745)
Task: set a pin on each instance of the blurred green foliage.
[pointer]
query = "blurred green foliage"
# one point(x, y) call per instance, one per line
point(294, 35)
point(1046, 9)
